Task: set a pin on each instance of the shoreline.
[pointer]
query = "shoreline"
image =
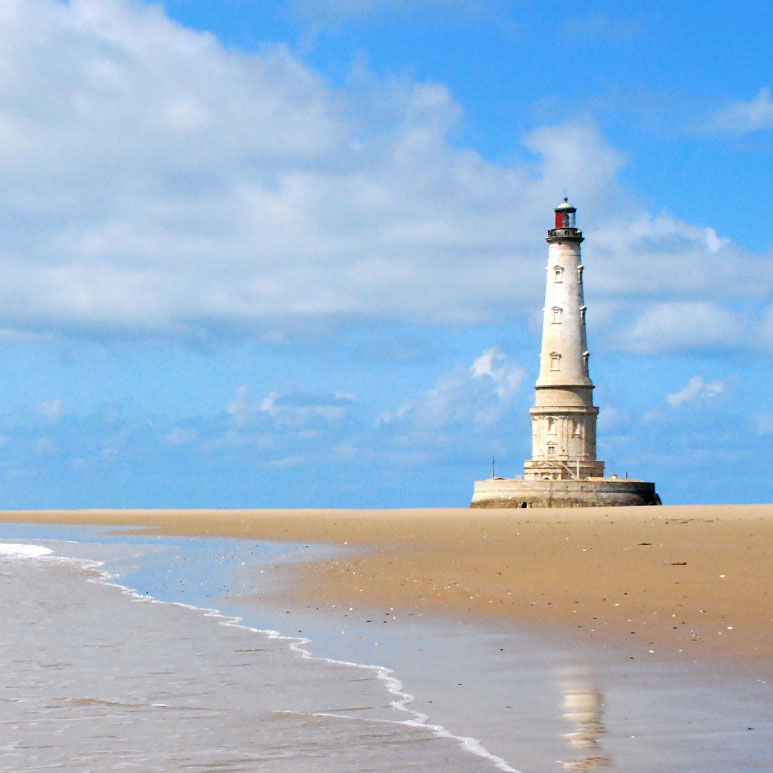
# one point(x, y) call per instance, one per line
point(679, 581)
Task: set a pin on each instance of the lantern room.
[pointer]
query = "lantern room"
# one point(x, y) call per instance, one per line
point(565, 215)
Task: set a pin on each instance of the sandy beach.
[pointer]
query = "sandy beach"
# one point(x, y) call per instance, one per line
point(673, 581)
point(622, 638)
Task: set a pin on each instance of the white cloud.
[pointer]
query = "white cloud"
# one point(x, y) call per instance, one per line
point(746, 116)
point(50, 409)
point(297, 408)
point(575, 158)
point(690, 392)
point(287, 462)
point(294, 409)
point(242, 406)
point(714, 388)
point(478, 395)
point(156, 183)
point(24, 336)
point(670, 326)
point(181, 436)
point(651, 256)
point(497, 366)
point(696, 388)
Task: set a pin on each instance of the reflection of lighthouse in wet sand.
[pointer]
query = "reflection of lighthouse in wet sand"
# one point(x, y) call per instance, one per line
point(563, 470)
point(583, 707)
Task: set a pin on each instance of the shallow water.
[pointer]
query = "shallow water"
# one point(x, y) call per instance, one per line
point(95, 678)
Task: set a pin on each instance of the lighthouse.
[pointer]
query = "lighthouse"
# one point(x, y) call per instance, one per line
point(563, 416)
point(563, 470)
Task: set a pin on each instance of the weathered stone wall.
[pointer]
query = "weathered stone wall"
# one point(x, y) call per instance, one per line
point(606, 492)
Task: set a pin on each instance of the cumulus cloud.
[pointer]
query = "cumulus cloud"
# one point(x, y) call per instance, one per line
point(478, 394)
point(655, 255)
point(156, 183)
point(566, 163)
point(298, 408)
point(696, 388)
point(670, 326)
point(746, 115)
point(294, 409)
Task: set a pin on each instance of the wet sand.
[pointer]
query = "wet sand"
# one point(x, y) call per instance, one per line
point(675, 581)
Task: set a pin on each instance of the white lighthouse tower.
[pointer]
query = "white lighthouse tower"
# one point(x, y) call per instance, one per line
point(563, 470)
point(563, 416)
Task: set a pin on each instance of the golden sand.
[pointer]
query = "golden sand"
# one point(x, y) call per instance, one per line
point(677, 580)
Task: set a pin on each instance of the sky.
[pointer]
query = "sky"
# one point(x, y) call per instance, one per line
point(291, 254)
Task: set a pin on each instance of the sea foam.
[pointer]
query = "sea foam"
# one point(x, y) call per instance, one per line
point(11, 550)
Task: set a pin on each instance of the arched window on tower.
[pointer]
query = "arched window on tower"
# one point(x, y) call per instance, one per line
point(577, 429)
point(555, 361)
point(551, 425)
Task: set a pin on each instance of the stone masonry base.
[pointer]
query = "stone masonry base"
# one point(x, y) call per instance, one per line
point(591, 492)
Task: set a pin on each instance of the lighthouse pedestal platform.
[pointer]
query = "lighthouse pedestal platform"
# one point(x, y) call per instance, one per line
point(588, 492)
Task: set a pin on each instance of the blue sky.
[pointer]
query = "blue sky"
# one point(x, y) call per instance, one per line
point(292, 254)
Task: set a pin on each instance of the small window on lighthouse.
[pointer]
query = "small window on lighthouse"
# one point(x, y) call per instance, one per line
point(555, 361)
point(551, 449)
point(556, 314)
point(557, 273)
point(585, 356)
point(583, 309)
point(551, 425)
point(577, 431)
